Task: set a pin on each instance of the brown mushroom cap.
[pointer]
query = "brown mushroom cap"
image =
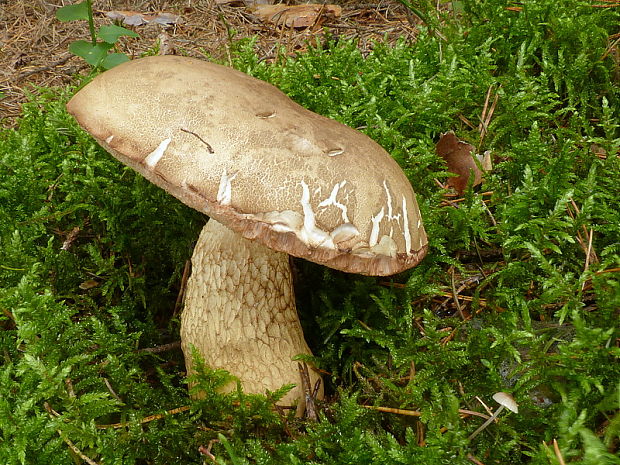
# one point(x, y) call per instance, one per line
point(241, 151)
point(505, 399)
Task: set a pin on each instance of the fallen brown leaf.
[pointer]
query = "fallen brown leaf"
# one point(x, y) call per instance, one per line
point(89, 284)
point(295, 16)
point(135, 18)
point(459, 156)
point(599, 151)
point(246, 3)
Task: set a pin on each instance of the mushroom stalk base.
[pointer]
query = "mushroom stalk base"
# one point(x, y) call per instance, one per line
point(240, 313)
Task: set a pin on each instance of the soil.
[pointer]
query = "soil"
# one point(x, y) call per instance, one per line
point(34, 44)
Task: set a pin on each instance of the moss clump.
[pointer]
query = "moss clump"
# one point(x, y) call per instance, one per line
point(91, 259)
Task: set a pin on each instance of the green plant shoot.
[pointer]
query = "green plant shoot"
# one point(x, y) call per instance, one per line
point(97, 53)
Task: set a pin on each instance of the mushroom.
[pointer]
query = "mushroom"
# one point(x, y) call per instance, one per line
point(275, 180)
point(504, 400)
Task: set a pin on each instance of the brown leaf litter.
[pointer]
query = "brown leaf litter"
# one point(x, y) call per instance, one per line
point(33, 43)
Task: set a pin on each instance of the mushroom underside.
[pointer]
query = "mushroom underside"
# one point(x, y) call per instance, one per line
point(240, 313)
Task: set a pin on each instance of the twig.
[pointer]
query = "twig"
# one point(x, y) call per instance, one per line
point(449, 199)
point(591, 256)
point(455, 295)
point(71, 237)
point(608, 270)
point(30, 72)
point(317, 387)
point(450, 336)
point(486, 407)
point(109, 386)
point(610, 47)
point(148, 419)
point(492, 110)
point(417, 413)
point(50, 410)
point(398, 411)
point(70, 390)
point(455, 292)
point(67, 441)
point(473, 413)
point(181, 295)
point(209, 148)
point(280, 411)
point(588, 255)
point(229, 32)
point(420, 433)
point(75, 450)
point(485, 118)
point(471, 458)
point(466, 298)
point(161, 348)
point(558, 453)
point(207, 450)
point(481, 125)
point(308, 393)
point(350, 26)
point(466, 121)
point(359, 7)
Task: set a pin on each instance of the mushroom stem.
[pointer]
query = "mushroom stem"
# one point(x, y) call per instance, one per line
point(486, 423)
point(240, 312)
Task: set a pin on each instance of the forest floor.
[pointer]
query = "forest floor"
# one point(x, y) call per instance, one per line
point(34, 43)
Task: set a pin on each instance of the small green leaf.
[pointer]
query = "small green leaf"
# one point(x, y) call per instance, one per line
point(73, 12)
point(111, 33)
point(114, 59)
point(92, 54)
point(555, 248)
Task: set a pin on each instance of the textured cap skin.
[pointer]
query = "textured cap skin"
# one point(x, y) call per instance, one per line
point(505, 399)
point(241, 151)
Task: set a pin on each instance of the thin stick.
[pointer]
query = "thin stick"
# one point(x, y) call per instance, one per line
point(75, 450)
point(471, 458)
point(466, 298)
point(419, 427)
point(485, 117)
point(450, 336)
point(588, 253)
point(67, 441)
point(209, 148)
point(608, 270)
point(466, 121)
point(181, 295)
point(481, 127)
point(465, 412)
point(150, 418)
point(611, 46)
point(417, 413)
point(455, 296)
point(30, 72)
point(591, 256)
point(486, 407)
point(305, 382)
point(207, 450)
point(161, 348)
point(109, 386)
point(398, 411)
point(558, 453)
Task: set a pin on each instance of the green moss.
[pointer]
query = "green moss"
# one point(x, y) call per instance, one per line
point(540, 323)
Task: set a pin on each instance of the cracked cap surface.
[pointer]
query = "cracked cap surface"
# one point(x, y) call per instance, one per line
point(241, 151)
